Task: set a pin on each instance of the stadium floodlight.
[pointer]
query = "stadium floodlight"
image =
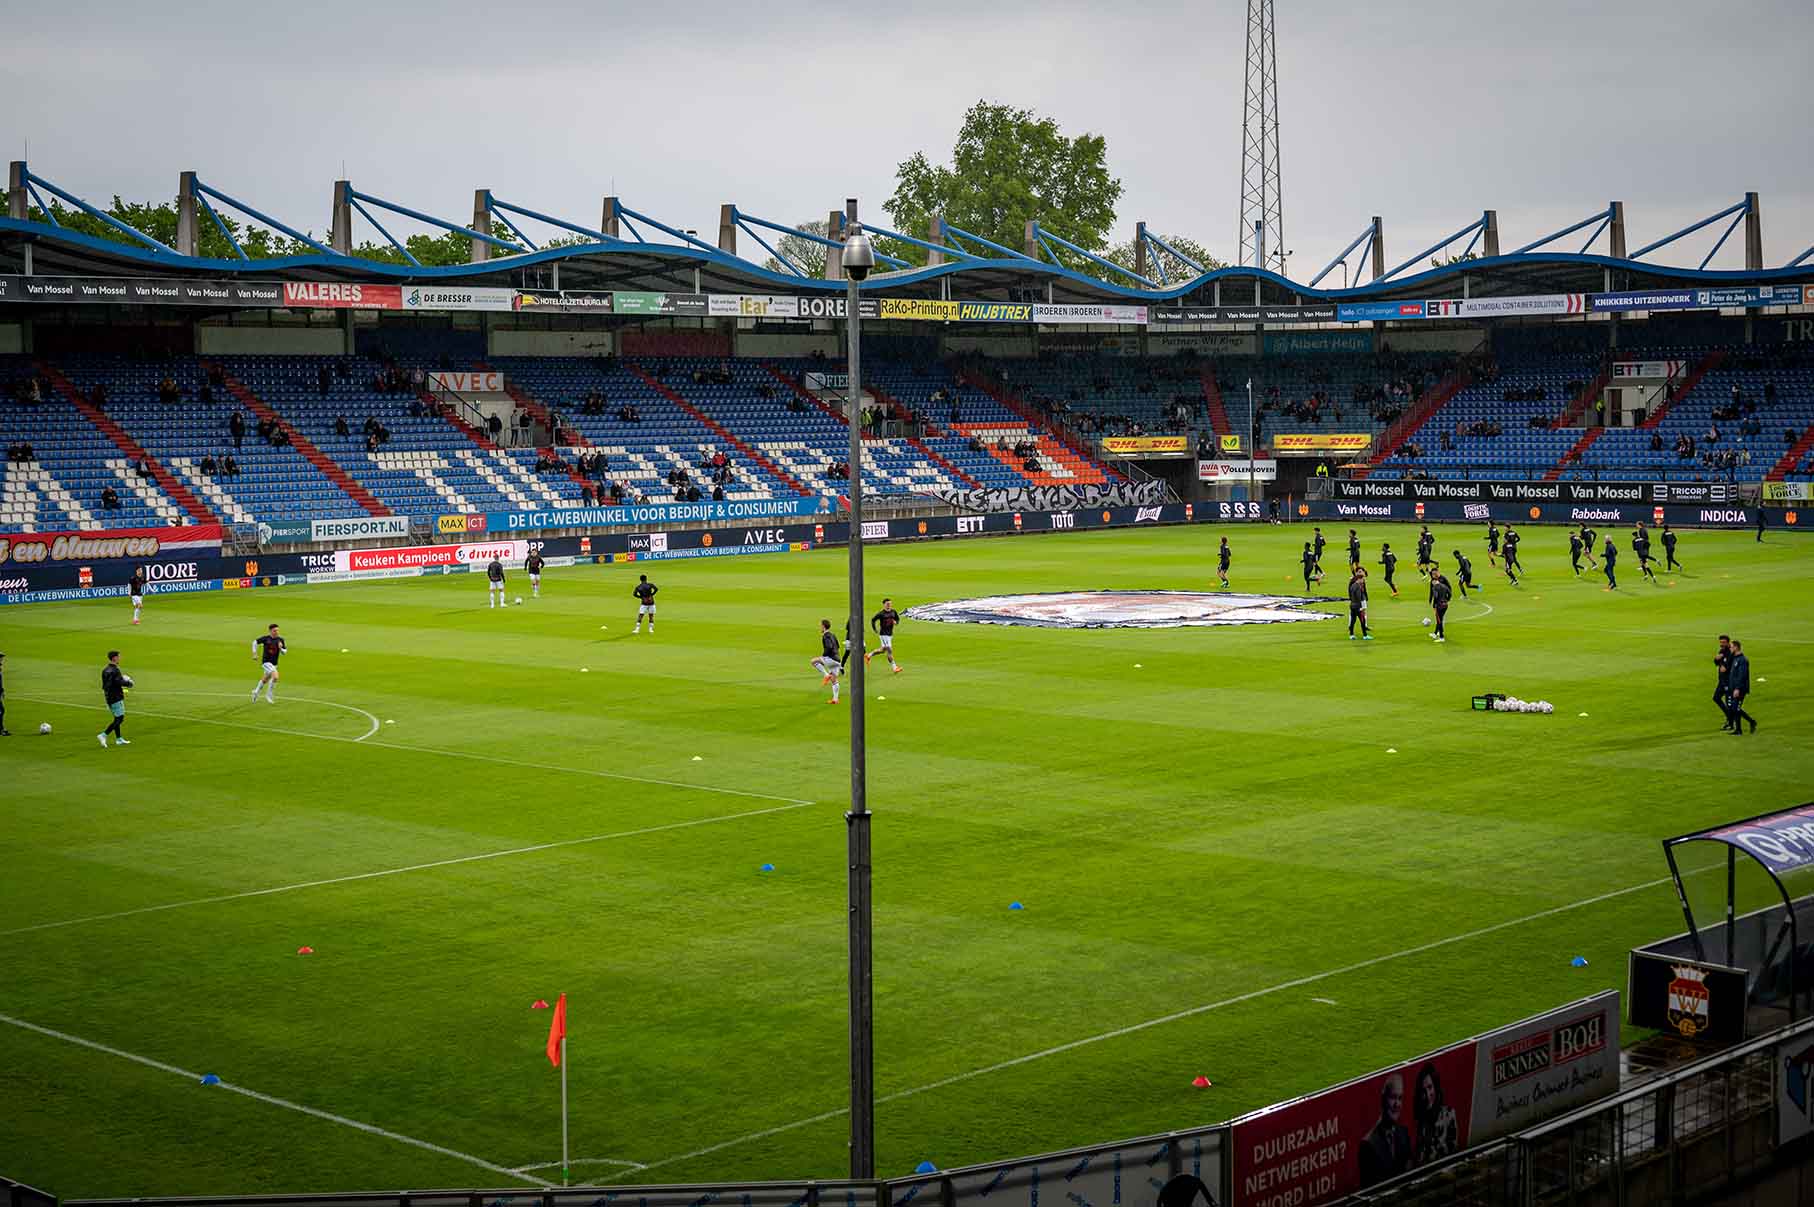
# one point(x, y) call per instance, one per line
point(858, 258)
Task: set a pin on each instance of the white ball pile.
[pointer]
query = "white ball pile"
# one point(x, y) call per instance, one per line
point(1514, 704)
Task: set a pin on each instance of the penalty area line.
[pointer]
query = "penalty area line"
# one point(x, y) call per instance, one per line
point(414, 867)
point(1192, 1012)
point(271, 1100)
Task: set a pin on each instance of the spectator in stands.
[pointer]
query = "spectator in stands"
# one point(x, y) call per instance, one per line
point(1656, 441)
point(1713, 433)
point(718, 493)
point(586, 495)
point(341, 430)
point(229, 468)
point(1789, 436)
point(236, 427)
point(110, 500)
point(216, 376)
point(34, 393)
point(495, 426)
point(371, 442)
point(143, 470)
point(324, 380)
point(98, 395)
point(167, 391)
point(617, 492)
point(208, 467)
point(279, 437)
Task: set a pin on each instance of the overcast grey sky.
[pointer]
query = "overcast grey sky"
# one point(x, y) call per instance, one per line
point(1425, 113)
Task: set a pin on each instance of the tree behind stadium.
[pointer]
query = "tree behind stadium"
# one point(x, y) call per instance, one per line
point(1009, 165)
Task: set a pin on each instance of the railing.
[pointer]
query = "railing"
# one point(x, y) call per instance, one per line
point(1703, 1127)
point(1133, 473)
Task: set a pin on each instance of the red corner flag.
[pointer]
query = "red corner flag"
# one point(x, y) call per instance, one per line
point(557, 1031)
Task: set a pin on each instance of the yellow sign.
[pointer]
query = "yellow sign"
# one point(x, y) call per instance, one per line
point(995, 312)
point(1228, 444)
point(450, 523)
point(922, 309)
point(1123, 446)
point(1320, 442)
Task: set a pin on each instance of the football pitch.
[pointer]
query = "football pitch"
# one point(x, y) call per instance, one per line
point(1263, 854)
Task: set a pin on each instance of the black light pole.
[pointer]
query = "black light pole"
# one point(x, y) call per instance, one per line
point(858, 260)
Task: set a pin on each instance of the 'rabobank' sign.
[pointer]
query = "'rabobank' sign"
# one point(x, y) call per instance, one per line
point(650, 513)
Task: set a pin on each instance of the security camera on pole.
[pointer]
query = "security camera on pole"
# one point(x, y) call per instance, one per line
point(859, 259)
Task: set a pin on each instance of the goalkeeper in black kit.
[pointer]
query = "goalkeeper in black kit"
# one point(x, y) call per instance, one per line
point(883, 622)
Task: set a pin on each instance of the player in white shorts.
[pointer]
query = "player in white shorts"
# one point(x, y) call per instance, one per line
point(533, 564)
point(136, 589)
point(883, 622)
point(828, 664)
point(494, 576)
point(269, 649)
point(644, 591)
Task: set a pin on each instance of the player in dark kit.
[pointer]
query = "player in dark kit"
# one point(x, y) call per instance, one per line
point(1611, 556)
point(827, 663)
point(1309, 560)
point(1440, 594)
point(1464, 573)
point(1508, 549)
point(1319, 543)
point(114, 683)
point(533, 564)
point(1353, 549)
point(1574, 551)
point(269, 649)
point(4, 732)
point(1669, 562)
point(883, 622)
point(1640, 545)
point(1223, 557)
point(1389, 560)
point(644, 590)
point(1588, 547)
point(494, 585)
point(1492, 542)
point(1722, 690)
point(135, 588)
point(1357, 603)
point(1425, 543)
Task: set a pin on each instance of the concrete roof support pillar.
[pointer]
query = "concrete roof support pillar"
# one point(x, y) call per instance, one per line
point(186, 214)
point(481, 221)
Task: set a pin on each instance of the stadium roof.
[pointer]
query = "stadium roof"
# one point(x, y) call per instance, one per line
point(607, 261)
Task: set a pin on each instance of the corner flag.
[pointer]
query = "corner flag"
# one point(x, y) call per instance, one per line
point(557, 1031)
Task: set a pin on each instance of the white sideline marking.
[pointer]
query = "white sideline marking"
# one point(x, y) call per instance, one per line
point(414, 867)
point(1297, 983)
point(452, 754)
point(580, 1161)
point(269, 1100)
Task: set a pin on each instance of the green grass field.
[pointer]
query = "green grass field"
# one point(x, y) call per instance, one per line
point(1225, 870)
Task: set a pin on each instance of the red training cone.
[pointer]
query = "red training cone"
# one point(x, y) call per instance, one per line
point(540, 1004)
point(305, 951)
point(1202, 1083)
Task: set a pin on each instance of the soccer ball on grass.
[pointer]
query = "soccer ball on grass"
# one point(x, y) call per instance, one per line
point(519, 600)
point(1426, 622)
point(44, 728)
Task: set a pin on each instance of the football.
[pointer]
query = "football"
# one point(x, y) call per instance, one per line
point(44, 728)
point(1426, 622)
point(519, 600)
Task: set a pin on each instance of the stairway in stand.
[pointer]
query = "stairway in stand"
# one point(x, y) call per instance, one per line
point(1048, 435)
point(1574, 454)
point(329, 468)
point(1402, 429)
point(813, 400)
point(1212, 402)
point(1691, 379)
point(718, 429)
point(185, 498)
point(1793, 457)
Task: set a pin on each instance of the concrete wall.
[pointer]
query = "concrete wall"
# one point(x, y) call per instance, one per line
point(12, 339)
point(1459, 339)
point(770, 343)
point(551, 343)
point(275, 341)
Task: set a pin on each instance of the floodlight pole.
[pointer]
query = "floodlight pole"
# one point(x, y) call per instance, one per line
point(1252, 424)
point(862, 988)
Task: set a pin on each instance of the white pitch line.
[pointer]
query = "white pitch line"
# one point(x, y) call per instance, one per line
point(414, 867)
point(1193, 1011)
point(298, 699)
point(452, 754)
point(269, 1100)
point(581, 1161)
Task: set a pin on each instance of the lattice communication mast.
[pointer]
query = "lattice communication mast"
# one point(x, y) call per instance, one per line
point(1262, 196)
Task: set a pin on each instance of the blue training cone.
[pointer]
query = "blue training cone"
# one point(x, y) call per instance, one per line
point(1017, 905)
point(925, 1167)
point(768, 867)
point(210, 1079)
point(1578, 962)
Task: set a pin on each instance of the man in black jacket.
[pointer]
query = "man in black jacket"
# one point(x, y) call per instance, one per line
point(1741, 689)
point(114, 683)
point(1722, 690)
point(1357, 603)
point(1440, 594)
